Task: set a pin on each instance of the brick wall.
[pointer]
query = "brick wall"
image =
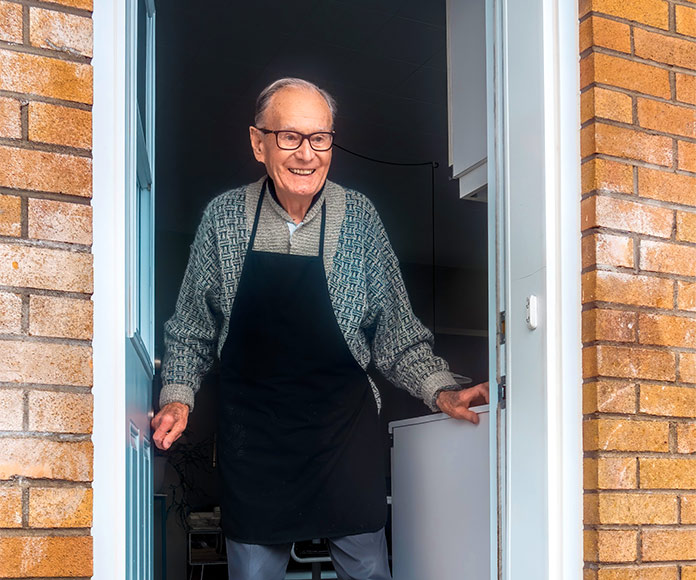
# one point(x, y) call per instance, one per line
point(45, 287)
point(638, 109)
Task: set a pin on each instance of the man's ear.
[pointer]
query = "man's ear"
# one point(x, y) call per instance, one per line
point(257, 144)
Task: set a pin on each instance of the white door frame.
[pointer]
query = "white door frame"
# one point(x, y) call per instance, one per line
point(560, 555)
point(109, 207)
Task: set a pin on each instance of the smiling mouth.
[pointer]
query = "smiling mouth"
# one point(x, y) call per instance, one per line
point(302, 171)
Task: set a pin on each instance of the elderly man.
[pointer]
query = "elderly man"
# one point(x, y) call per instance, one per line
point(292, 283)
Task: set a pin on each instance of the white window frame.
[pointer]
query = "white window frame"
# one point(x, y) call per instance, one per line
point(562, 552)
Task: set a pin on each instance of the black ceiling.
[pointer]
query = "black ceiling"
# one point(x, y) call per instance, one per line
point(384, 61)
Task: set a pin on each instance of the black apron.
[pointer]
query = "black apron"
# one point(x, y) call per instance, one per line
point(299, 442)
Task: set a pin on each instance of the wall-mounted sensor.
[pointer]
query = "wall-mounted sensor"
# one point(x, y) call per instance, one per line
point(532, 312)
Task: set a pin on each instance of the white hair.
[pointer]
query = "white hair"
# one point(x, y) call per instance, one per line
point(264, 98)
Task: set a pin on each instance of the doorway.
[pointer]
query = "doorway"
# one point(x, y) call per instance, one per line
point(386, 64)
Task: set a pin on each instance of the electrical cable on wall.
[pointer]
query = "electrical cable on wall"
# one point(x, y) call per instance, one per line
point(433, 166)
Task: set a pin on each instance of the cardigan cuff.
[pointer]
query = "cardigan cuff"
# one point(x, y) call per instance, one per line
point(433, 384)
point(176, 394)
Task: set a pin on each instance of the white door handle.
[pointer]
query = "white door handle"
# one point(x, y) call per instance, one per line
point(532, 312)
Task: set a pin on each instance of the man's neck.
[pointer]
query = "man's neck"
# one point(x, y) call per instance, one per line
point(297, 206)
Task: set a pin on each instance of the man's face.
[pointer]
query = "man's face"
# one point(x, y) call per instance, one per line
point(302, 171)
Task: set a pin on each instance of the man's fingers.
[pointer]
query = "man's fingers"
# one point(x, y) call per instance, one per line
point(467, 415)
point(165, 424)
point(173, 434)
point(169, 430)
point(169, 424)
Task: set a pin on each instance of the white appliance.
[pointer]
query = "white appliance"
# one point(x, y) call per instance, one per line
point(440, 498)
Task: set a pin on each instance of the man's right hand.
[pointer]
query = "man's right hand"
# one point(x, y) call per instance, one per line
point(169, 424)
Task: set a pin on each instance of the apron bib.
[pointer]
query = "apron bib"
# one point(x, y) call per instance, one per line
point(298, 435)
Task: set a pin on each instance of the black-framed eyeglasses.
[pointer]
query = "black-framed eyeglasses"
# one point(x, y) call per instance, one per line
point(291, 140)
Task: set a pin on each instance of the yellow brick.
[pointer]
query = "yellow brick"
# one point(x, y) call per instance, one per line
point(688, 573)
point(666, 545)
point(11, 410)
point(60, 507)
point(686, 20)
point(627, 289)
point(659, 473)
point(11, 18)
point(686, 88)
point(610, 545)
point(639, 573)
point(45, 459)
point(628, 362)
point(60, 317)
point(686, 438)
point(630, 216)
point(652, 12)
point(688, 509)
point(48, 77)
point(60, 125)
point(67, 556)
point(668, 400)
point(613, 325)
point(665, 49)
point(631, 508)
point(666, 186)
point(606, 104)
point(82, 4)
point(10, 508)
point(667, 257)
point(60, 31)
point(686, 226)
point(10, 313)
point(10, 215)
point(596, 31)
point(687, 367)
point(609, 397)
point(686, 298)
point(605, 175)
point(687, 156)
point(60, 221)
point(60, 412)
point(607, 249)
point(45, 171)
point(625, 74)
point(625, 435)
point(45, 363)
point(667, 118)
point(10, 114)
point(31, 267)
point(610, 473)
point(627, 143)
point(665, 330)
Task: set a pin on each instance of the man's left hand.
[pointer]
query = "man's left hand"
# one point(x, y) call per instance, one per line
point(456, 403)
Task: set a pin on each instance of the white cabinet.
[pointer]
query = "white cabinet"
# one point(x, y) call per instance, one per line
point(466, 77)
point(440, 498)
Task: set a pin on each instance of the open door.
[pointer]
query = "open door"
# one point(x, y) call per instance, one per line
point(139, 349)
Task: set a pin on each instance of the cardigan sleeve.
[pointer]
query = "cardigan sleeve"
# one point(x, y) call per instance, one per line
point(401, 346)
point(190, 335)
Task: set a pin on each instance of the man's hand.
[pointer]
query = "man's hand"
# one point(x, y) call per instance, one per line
point(456, 403)
point(169, 424)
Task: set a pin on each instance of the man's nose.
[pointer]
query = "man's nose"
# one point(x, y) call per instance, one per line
point(305, 151)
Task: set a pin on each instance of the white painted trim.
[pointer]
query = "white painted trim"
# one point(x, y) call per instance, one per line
point(109, 290)
point(563, 284)
point(548, 475)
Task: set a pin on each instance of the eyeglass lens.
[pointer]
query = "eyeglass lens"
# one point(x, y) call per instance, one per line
point(293, 140)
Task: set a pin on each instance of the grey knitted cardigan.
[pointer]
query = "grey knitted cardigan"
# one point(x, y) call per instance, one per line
point(365, 285)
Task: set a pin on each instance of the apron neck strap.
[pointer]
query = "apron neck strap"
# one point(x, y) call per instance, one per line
point(252, 237)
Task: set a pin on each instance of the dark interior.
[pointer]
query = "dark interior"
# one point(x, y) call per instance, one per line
point(385, 62)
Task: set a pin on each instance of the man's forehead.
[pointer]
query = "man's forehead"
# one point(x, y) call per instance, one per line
point(299, 102)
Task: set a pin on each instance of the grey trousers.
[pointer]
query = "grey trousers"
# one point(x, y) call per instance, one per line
point(359, 557)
